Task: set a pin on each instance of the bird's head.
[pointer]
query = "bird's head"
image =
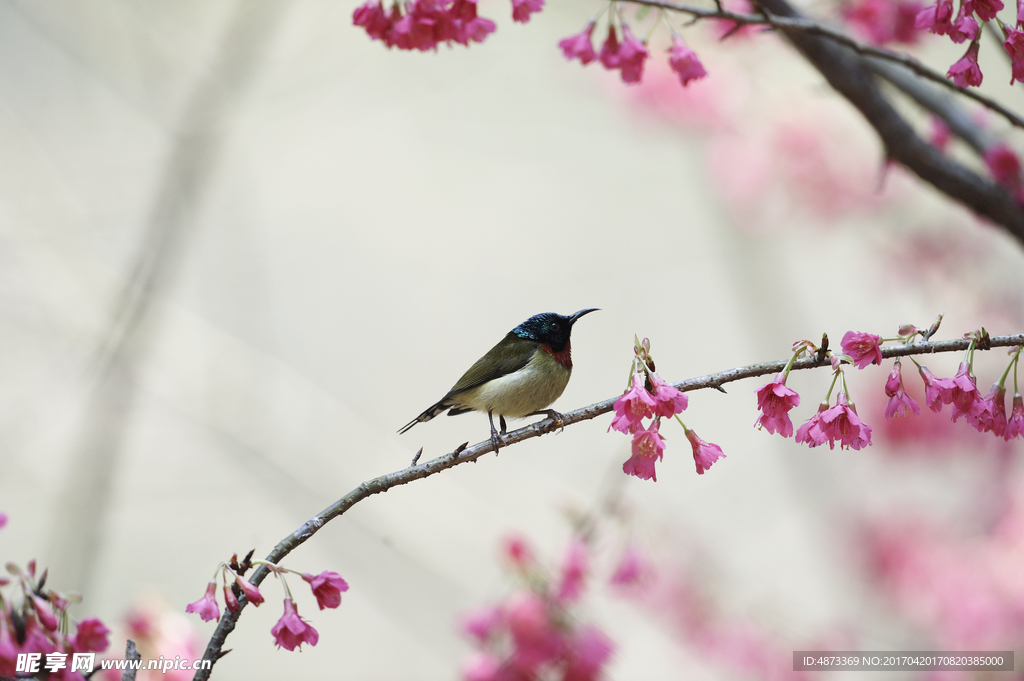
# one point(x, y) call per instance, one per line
point(550, 328)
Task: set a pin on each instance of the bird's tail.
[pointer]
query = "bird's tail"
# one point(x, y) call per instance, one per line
point(430, 413)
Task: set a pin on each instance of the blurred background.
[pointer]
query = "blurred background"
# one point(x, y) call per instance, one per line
point(242, 245)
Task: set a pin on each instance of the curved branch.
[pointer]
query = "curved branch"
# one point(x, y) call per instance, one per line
point(465, 454)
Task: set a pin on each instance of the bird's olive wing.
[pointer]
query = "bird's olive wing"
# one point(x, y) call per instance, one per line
point(508, 356)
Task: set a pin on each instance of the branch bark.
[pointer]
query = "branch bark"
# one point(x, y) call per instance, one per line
point(465, 454)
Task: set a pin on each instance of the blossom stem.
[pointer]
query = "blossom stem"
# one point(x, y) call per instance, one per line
point(828, 396)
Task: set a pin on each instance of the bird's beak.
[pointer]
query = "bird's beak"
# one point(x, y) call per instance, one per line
point(573, 317)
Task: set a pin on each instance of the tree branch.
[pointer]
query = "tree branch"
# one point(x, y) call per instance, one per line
point(464, 454)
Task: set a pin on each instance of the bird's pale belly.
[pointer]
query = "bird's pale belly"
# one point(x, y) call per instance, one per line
point(530, 389)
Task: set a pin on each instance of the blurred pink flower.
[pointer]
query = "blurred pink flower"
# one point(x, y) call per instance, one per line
point(482, 622)
point(609, 55)
point(522, 9)
point(588, 651)
point(985, 9)
point(579, 46)
point(934, 388)
point(574, 572)
point(631, 569)
point(684, 61)
point(631, 57)
point(1004, 165)
point(517, 551)
point(481, 666)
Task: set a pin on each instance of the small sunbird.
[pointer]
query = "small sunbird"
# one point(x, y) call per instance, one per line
point(520, 376)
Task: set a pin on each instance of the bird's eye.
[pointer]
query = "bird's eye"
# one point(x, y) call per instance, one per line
point(554, 326)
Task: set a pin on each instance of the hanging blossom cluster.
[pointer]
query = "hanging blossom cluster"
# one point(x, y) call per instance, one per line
point(841, 424)
point(966, 26)
point(425, 24)
point(624, 52)
point(35, 629)
point(649, 397)
point(535, 633)
point(291, 631)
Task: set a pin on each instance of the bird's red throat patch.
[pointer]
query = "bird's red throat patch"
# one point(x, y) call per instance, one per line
point(563, 357)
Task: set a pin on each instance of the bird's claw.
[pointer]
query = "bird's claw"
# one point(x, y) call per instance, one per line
point(496, 441)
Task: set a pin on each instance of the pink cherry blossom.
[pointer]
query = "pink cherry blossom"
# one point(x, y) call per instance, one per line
point(704, 453)
point(206, 607)
point(900, 403)
point(574, 572)
point(3, 520)
point(684, 61)
point(291, 631)
point(775, 400)
point(90, 636)
point(964, 28)
point(252, 594)
point(1014, 46)
point(989, 412)
point(609, 55)
point(966, 72)
point(810, 432)
point(936, 18)
point(327, 587)
point(634, 405)
point(985, 9)
point(522, 9)
point(842, 423)
point(632, 55)
point(647, 449)
point(1015, 424)
point(864, 348)
point(467, 26)
point(230, 600)
point(934, 388)
point(579, 46)
point(668, 400)
point(962, 391)
point(373, 19)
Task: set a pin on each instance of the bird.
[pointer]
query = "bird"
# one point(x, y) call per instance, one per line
point(519, 377)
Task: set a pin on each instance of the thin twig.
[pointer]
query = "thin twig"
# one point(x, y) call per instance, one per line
point(814, 28)
point(464, 454)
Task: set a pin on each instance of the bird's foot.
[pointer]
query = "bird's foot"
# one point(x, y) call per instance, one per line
point(557, 418)
point(496, 441)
